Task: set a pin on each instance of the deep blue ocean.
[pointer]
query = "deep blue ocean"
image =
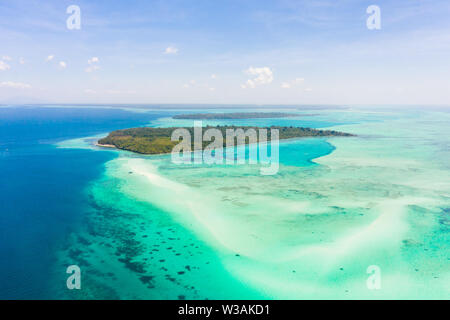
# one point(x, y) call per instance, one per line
point(41, 198)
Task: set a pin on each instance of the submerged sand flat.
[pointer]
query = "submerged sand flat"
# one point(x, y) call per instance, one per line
point(161, 230)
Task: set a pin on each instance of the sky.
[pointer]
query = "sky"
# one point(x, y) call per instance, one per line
point(225, 52)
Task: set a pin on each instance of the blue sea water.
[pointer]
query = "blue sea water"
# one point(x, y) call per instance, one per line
point(41, 186)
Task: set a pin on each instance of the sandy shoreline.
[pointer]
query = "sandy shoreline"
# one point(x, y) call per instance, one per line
point(105, 145)
point(111, 146)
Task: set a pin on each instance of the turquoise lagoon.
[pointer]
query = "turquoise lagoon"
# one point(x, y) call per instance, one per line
point(152, 229)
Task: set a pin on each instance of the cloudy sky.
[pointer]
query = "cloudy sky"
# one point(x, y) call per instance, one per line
point(225, 51)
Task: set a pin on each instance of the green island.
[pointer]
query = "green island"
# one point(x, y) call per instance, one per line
point(146, 140)
point(237, 115)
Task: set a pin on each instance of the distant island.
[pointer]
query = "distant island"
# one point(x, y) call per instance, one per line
point(147, 140)
point(237, 115)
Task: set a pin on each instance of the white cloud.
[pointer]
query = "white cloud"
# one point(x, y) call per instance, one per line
point(290, 84)
point(7, 58)
point(261, 76)
point(50, 58)
point(308, 89)
point(15, 85)
point(171, 50)
point(21, 60)
point(93, 64)
point(4, 66)
point(213, 76)
point(62, 64)
point(89, 91)
point(93, 60)
point(248, 84)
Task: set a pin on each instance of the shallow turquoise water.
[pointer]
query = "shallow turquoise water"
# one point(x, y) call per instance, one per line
point(336, 207)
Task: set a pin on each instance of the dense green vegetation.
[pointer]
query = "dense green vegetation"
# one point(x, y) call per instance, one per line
point(158, 140)
point(236, 115)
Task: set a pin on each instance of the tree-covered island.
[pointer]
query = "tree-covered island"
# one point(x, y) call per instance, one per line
point(146, 140)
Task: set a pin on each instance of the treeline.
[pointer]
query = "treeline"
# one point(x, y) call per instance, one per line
point(147, 140)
